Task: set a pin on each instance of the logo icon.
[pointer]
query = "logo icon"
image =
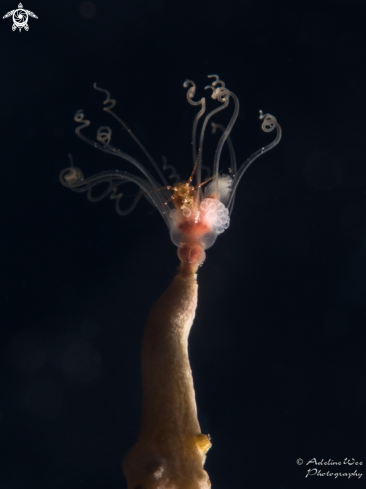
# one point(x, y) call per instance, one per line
point(20, 18)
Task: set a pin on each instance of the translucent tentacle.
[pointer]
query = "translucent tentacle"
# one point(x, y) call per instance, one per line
point(230, 145)
point(205, 122)
point(108, 109)
point(73, 178)
point(190, 94)
point(104, 134)
point(268, 125)
point(233, 167)
point(223, 95)
point(173, 173)
point(214, 83)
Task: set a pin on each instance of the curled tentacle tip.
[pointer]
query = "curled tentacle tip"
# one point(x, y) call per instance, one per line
point(214, 83)
point(269, 121)
point(79, 116)
point(71, 176)
point(214, 76)
point(220, 93)
point(104, 135)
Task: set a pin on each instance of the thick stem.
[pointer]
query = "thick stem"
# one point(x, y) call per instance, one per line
point(170, 448)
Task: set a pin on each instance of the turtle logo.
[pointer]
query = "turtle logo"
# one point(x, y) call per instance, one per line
point(20, 18)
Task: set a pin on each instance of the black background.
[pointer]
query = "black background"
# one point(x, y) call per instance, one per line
point(278, 344)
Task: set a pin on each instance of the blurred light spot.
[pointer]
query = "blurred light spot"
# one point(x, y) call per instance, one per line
point(89, 328)
point(43, 399)
point(26, 352)
point(77, 358)
point(87, 9)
